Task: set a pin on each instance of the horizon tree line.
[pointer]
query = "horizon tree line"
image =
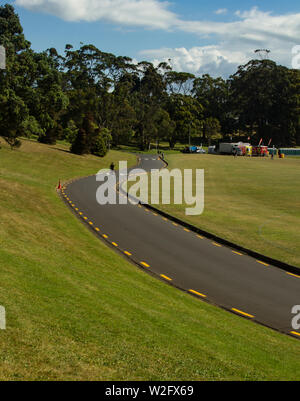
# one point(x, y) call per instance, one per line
point(96, 100)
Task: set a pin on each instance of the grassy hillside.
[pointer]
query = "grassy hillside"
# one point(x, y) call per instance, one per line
point(77, 310)
point(254, 202)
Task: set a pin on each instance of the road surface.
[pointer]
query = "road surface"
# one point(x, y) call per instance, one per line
point(221, 275)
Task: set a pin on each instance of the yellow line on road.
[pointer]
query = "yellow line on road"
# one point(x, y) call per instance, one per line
point(294, 275)
point(215, 244)
point(237, 253)
point(114, 244)
point(175, 224)
point(91, 223)
point(105, 236)
point(85, 218)
point(145, 264)
point(166, 277)
point(185, 229)
point(200, 236)
point(242, 313)
point(295, 333)
point(97, 229)
point(128, 253)
point(262, 263)
point(197, 293)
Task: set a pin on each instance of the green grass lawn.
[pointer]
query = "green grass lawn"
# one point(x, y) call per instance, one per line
point(78, 310)
point(254, 202)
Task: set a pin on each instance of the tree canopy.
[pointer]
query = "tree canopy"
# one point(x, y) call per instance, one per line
point(96, 100)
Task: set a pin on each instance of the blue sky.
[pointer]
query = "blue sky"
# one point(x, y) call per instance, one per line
point(198, 36)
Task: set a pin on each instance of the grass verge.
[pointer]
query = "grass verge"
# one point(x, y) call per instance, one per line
point(253, 202)
point(76, 310)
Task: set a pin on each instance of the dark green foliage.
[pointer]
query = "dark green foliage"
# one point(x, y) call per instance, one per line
point(96, 100)
point(80, 145)
point(99, 147)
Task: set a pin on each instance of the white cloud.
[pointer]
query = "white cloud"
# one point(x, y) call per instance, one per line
point(198, 60)
point(232, 43)
point(221, 11)
point(235, 42)
point(146, 13)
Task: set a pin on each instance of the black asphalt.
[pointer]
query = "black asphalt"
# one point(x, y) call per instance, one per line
point(228, 279)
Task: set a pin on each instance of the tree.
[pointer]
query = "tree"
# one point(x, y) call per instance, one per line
point(13, 80)
point(265, 97)
point(186, 113)
point(211, 130)
point(80, 145)
point(99, 145)
point(213, 95)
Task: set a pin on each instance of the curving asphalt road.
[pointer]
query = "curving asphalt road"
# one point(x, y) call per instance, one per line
point(221, 275)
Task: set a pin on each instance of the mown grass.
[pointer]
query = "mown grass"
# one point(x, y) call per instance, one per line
point(254, 202)
point(76, 310)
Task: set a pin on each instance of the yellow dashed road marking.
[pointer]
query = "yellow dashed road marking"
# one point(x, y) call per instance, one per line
point(127, 253)
point(295, 333)
point(165, 277)
point(294, 275)
point(91, 223)
point(185, 229)
point(105, 236)
point(175, 224)
point(114, 244)
point(216, 244)
point(85, 218)
point(145, 264)
point(262, 263)
point(242, 313)
point(97, 229)
point(237, 253)
point(80, 213)
point(200, 236)
point(165, 219)
point(197, 293)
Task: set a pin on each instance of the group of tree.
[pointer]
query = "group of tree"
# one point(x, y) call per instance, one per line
point(96, 100)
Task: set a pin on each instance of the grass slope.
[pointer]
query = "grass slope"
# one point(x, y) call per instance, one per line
point(254, 202)
point(77, 310)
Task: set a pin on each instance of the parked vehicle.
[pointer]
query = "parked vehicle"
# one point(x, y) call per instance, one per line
point(212, 150)
point(261, 151)
point(226, 148)
point(193, 149)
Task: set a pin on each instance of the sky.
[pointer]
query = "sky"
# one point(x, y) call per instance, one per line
point(200, 37)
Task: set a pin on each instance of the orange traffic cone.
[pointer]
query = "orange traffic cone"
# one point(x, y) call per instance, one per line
point(59, 185)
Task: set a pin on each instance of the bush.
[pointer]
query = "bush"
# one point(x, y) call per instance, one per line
point(80, 144)
point(99, 147)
